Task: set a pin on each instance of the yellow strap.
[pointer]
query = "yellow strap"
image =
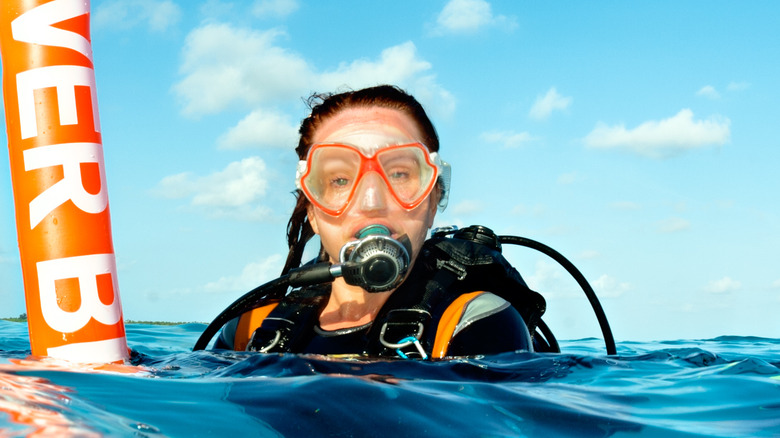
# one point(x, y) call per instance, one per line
point(248, 323)
point(449, 320)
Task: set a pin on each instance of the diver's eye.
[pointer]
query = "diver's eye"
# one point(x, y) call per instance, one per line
point(339, 182)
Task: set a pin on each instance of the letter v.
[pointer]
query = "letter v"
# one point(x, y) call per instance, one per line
point(35, 26)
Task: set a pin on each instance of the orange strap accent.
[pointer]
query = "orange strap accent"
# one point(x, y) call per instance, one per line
point(447, 323)
point(248, 323)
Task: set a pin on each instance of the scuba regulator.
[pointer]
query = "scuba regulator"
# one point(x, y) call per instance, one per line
point(375, 261)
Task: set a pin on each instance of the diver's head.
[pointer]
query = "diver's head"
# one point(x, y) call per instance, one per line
point(370, 169)
point(369, 129)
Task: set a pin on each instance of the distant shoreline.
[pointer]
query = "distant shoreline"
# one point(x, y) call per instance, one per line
point(126, 322)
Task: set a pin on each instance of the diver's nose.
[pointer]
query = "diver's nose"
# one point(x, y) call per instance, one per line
point(372, 193)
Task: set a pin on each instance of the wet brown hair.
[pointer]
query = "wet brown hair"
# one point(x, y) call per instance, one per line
point(324, 106)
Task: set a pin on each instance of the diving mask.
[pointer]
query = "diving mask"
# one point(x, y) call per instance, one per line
point(331, 173)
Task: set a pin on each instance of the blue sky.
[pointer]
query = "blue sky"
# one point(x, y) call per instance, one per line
point(636, 138)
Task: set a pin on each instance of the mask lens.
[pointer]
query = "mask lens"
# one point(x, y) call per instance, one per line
point(332, 176)
point(407, 173)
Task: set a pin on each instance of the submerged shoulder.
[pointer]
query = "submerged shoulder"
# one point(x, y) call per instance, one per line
point(480, 323)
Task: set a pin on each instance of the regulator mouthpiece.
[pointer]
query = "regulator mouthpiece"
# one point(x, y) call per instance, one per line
point(373, 229)
point(376, 262)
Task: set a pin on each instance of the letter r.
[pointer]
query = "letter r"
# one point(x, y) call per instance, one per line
point(69, 156)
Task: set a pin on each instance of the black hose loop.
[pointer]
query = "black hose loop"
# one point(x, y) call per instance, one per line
point(609, 340)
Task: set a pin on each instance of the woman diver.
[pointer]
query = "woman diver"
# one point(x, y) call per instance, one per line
point(370, 169)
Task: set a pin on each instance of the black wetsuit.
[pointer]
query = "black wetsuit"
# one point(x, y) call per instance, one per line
point(461, 298)
point(487, 324)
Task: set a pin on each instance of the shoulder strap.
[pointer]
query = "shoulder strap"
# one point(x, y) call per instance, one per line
point(449, 320)
point(408, 311)
point(447, 268)
point(485, 268)
point(248, 322)
point(288, 326)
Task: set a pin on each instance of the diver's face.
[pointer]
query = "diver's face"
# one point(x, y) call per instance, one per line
point(371, 129)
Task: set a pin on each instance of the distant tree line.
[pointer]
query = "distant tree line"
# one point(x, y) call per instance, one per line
point(23, 318)
point(20, 318)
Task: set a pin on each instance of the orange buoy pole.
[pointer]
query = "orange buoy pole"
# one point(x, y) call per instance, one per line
point(59, 181)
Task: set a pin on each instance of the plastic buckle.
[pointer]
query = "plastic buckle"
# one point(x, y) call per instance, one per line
point(453, 267)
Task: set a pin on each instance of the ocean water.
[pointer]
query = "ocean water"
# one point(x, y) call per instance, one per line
point(723, 387)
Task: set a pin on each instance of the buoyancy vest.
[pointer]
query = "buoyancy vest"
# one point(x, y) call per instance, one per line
point(417, 315)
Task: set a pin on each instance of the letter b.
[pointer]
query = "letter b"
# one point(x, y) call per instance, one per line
point(85, 269)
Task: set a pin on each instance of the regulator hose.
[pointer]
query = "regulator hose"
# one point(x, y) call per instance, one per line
point(376, 262)
point(609, 340)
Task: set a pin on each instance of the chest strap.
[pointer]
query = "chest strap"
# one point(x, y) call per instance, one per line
point(248, 323)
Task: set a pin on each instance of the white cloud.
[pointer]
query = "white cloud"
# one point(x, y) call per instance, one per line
point(673, 225)
point(589, 255)
point(664, 138)
point(626, 206)
point(438, 102)
point(609, 287)
point(776, 283)
point(241, 182)
point(163, 14)
point(176, 186)
point(224, 66)
point(569, 178)
point(738, 86)
point(254, 274)
point(274, 8)
point(709, 92)
point(398, 65)
point(523, 210)
point(233, 192)
point(469, 16)
point(552, 280)
point(722, 286)
point(508, 139)
point(467, 207)
point(545, 105)
point(260, 129)
point(680, 206)
point(395, 64)
point(725, 204)
point(243, 213)
point(158, 15)
point(216, 10)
